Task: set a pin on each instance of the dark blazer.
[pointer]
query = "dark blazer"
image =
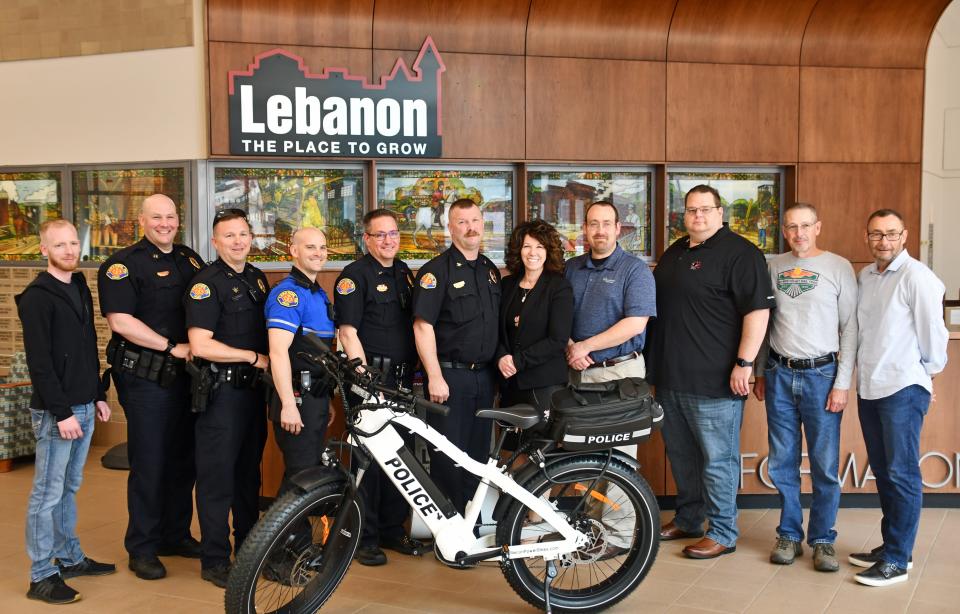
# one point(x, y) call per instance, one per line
point(546, 319)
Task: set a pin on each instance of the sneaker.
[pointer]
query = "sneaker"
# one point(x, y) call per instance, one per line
point(882, 573)
point(404, 545)
point(52, 590)
point(188, 548)
point(217, 575)
point(869, 559)
point(86, 567)
point(371, 556)
point(825, 558)
point(785, 551)
point(147, 567)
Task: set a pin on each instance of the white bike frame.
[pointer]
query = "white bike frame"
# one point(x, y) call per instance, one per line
point(454, 533)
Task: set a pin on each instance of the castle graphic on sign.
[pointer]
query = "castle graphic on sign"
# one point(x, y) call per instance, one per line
point(279, 108)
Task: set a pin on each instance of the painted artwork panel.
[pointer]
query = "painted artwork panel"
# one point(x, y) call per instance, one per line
point(27, 200)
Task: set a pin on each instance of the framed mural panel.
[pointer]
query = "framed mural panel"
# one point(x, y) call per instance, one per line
point(28, 198)
point(107, 200)
point(751, 198)
point(561, 197)
point(421, 197)
point(279, 199)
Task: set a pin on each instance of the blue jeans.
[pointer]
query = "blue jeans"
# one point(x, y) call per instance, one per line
point(796, 397)
point(52, 509)
point(702, 435)
point(891, 430)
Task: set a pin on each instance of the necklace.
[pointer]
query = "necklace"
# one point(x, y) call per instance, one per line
point(523, 294)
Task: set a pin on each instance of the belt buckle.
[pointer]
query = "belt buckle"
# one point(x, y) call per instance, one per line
point(473, 366)
point(790, 364)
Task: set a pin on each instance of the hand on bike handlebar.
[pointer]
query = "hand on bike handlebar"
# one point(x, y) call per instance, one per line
point(439, 391)
point(290, 420)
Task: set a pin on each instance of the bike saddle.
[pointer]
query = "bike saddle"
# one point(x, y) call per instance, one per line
point(522, 416)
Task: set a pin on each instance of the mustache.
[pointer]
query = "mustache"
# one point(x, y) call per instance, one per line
point(472, 233)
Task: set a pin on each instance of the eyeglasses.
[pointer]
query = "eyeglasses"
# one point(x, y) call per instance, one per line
point(380, 236)
point(794, 227)
point(222, 213)
point(699, 210)
point(892, 235)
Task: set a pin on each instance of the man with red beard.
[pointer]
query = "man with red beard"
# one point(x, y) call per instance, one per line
point(56, 310)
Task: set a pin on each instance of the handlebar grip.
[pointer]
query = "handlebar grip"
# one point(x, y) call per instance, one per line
point(431, 407)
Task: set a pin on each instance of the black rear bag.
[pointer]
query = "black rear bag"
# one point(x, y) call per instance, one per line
point(604, 415)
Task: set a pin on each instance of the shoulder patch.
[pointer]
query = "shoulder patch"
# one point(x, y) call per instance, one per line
point(345, 286)
point(118, 271)
point(288, 298)
point(261, 285)
point(199, 292)
point(428, 282)
point(194, 262)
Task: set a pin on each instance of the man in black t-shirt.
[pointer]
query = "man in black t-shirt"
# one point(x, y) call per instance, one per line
point(713, 302)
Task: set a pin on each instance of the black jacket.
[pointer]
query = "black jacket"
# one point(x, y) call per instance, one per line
point(546, 319)
point(61, 345)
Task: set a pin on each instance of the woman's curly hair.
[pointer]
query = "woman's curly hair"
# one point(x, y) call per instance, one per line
point(543, 232)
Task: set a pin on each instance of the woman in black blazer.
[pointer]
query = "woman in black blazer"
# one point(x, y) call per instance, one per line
point(536, 316)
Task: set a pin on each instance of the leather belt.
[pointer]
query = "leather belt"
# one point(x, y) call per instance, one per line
point(472, 366)
point(614, 361)
point(804, 363)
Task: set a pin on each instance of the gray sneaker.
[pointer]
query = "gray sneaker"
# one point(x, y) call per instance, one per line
point(825, 558)
point(785, 551)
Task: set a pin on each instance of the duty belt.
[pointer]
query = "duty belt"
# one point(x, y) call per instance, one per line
point(614, 361)
point(151, 365)
point(804, 363)
point(239, 375)
point(472, 366)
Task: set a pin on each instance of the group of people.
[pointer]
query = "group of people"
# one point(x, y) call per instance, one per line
point(191, 344)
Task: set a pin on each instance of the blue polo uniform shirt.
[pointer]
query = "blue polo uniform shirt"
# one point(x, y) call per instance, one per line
point(297, 302)
point(621, 287)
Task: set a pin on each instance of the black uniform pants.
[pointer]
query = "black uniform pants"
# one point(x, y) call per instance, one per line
point(469, 391)
point(231, 434)
point(160, 451)
point(303, 450)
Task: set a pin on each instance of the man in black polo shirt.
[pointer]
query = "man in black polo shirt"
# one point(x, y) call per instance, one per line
point(713, 301)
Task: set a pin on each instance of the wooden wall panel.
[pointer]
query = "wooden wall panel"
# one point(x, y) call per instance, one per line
point(731, 113)
point(224, 57)
point(609, 29)
point(878, 33)
point(570, 104)
point(491, 26)
point(738, 31)
point(482, 103)
point(323, 23)
point(845, 194)
point(861, 115)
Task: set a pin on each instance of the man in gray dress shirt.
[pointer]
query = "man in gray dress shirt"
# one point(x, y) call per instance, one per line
point(902, 345)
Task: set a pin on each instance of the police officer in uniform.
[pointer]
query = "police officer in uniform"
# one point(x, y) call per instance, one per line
point(140, 295)
point(228, 340)
point(374, 308)
point(456, 306)
point(298, 306)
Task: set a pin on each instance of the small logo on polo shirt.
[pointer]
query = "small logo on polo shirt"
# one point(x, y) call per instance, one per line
point(608, 280)
point(796, 281)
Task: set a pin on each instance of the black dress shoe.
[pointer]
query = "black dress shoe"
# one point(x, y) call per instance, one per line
point(188, 548)
point(52, 590)
point(882, 574)
point(371, 556)
point(147, 567)
point(86, 567)
point(217, 575)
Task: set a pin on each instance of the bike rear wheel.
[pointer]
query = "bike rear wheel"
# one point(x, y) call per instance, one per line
point(620, 516)
point(292, 562)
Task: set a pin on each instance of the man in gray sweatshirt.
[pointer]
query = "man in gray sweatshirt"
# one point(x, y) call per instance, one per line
point(812, 347)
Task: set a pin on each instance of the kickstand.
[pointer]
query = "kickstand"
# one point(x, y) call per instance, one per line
point(547, 578)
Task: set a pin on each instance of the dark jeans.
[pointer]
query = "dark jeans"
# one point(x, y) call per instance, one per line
point(891, 431)
point(160, 436)
point(303, 450)
point(230, 439)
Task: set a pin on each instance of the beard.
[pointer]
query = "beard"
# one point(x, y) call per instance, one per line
point(63, 265)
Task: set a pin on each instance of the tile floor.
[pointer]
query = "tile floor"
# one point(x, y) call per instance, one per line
point(742, 582)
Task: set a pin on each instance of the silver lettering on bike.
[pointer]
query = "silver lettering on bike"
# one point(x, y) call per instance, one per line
point(413, 488)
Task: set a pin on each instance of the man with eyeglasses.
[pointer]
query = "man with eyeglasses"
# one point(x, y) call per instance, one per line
point(374, 313)
point(902, 345)
point(808, 369)
point(228, 341)
point(713, 302)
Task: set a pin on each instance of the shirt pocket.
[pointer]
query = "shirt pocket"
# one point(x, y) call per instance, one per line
point(387, 310)
point(464, 303)
point(166, 292)
point(239, 316)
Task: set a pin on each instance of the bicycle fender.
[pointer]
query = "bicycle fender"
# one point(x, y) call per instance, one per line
point(524, 475)
point(312, 478)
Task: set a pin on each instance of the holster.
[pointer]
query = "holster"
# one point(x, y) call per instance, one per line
point(203, 381)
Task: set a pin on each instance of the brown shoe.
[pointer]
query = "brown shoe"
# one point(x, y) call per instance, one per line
point(706, 548)
point(671, 531)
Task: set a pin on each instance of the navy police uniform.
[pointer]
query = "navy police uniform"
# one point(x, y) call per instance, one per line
point(461, 299)
point(301, 307)
point(142, 281)
point(378, 302)
point(231, 432)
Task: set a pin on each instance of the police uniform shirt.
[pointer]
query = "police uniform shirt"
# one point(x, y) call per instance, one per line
point(297, 302)
point(703, 293)
point(230, 304)
point(143, 281)
point(461, 300)
point(378, 302)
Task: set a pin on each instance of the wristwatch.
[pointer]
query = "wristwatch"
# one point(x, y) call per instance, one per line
point(170, 346)
point(744, 363)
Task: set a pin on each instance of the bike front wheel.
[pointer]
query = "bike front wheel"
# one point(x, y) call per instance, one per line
point(619, 514)
point(292, 561)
